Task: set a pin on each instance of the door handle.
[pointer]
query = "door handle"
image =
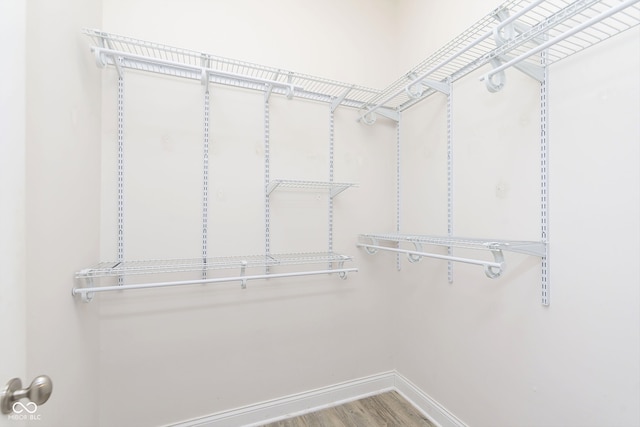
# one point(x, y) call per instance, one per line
point(38, 392)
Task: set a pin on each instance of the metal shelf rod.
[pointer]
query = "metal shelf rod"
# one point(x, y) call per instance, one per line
point(559, 38)
point(451, 58)
point(87, 293)
point(499, 265)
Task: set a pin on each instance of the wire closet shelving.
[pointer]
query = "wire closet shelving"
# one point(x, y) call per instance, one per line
point(125, 53)
point(512, 35)
point(240, 263)
point(334, 188)
point(372, 243)
point(528, 35)
point(129, 53)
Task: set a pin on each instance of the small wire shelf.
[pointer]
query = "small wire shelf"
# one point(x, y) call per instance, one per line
point(334, 188)
point(126, 52)
point(144, 267)
point(564, 27)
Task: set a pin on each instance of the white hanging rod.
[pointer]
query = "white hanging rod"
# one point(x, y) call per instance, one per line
point(87, 293)
point(465, 49)
point(491, 269)
point(538, 25)
point(561, 37)
point(204, 73)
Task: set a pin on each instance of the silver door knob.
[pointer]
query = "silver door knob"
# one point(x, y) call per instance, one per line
point(38, 392)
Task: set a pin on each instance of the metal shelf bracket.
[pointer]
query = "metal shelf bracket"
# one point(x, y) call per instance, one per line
point(338, 100)
point(414, 256)
point(490, 270)
point(88, 279)
point(496, 81)
point(368, 115)
point(417, 90)
point(243, 270)
point(503, 33)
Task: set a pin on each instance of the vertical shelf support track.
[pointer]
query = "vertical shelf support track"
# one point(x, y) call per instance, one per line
point(205, 184)
point(267, 208)
point(398, 140)
point(544, 184)
point(450, 175)
point(330, 198)
point(120, 174)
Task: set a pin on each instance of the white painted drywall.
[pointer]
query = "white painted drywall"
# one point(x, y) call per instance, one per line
point(339, 40)
point(12, 191)
point(486, 349)
point(62, 205)
point(227, 346)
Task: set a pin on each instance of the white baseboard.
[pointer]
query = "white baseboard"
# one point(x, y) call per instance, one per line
point(325, 397)
point(429, 407)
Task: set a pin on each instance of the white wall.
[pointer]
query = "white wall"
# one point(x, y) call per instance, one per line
point(12, 191)
point(62, 205)
point(425, 26)
point(333, 39)
point(227, 346)
point(487, 349)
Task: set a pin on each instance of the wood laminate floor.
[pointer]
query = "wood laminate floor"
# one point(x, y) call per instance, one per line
point(384, 410)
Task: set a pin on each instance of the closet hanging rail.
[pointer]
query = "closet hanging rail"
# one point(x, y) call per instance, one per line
point(87, 293)
point(149, 267)
point(412, 85)
point(558, 39)
point(129, 53)
point(126, 53)
point(519, 29)
point(493, 269)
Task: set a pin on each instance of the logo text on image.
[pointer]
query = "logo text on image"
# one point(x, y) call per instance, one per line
point(24, 411)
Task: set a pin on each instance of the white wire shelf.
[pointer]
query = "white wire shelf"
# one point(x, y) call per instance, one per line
point(151, 267)
point(334, 188)
point(145, 267)
point(512, 35)
point(129, 53)
point(493, 269)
